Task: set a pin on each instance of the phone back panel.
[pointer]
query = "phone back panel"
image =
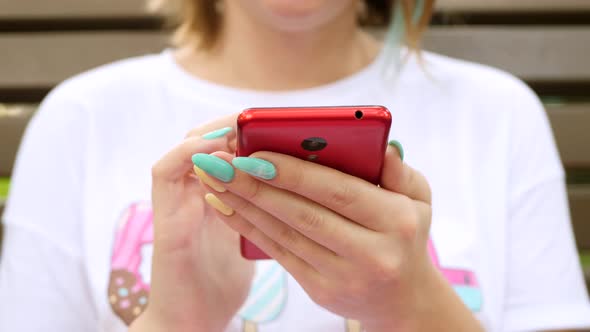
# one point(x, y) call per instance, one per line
point(349, 141)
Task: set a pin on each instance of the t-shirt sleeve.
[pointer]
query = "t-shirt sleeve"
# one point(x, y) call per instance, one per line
point(42, 287)
point(42, 275)
point(545, 285)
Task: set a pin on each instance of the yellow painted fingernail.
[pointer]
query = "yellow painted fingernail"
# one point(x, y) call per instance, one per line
point(218, 205)
point(208, 180)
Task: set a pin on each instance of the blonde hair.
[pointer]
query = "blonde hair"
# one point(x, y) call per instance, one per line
point(199, 21)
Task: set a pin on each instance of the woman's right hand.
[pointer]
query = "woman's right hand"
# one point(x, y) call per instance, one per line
point(199, 279)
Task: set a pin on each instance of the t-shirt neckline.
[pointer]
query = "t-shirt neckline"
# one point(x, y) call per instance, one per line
point(349, 86)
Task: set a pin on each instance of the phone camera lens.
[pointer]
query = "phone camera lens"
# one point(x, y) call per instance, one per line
point(358, 114)
point(314, 144)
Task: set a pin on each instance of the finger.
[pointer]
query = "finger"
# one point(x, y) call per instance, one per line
point(314, 221)
point(296, 266)
point(349, 196)
point(216, 126)
point(175, 164)
point(226, 121)
point(398, 177)
point(318, 256)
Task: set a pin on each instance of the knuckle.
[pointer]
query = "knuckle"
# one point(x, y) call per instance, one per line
point(310, 220)
point(244, 206)
point(386, 268)
point(325, 292)
point(357, 289)
point(408, 229)
point(406, 204)
point(278, 251)
point(247, 230)
point(407, 209)
point(296, 179)
point(254, 190)
point(408, 221)
point(323, 297)
point(342, 195)
point(288, 237)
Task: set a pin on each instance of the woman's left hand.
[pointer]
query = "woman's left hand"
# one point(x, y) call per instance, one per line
point(357, 249)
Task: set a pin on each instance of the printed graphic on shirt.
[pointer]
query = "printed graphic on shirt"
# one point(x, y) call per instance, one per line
point(129, 283)
point(464, 282)
point(268, 295)
point(353, 326)
point(128, 288)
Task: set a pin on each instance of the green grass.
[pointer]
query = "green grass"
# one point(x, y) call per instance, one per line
point(4, 184)
point(585, 257)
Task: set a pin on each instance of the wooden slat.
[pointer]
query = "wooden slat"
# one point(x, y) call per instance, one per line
point(571, 127)
point(579, 196)
point(13, 121)
point(549, 54)
point(510, 6)
point(539, 54)
point(68, 9)
point(39, 60)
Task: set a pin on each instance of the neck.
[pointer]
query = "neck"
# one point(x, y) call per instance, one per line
point(252, 56)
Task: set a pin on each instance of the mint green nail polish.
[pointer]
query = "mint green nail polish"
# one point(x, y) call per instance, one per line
point(399, 148)
point(214, 166)
point(256, 167)
point(217, 133)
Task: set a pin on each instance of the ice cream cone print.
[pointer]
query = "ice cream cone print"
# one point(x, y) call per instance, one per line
point(353, 326)
point(128, 290)
point(267, 297)
point(250, 326)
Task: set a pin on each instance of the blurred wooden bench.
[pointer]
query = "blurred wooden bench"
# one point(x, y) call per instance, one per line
point(59, 10)
point(504, 6)
point(44, 42)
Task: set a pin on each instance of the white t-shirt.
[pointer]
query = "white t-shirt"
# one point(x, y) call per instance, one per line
point(78, 220)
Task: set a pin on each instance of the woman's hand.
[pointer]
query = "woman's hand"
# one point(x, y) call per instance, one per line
point(199, 280)
point(357, 249)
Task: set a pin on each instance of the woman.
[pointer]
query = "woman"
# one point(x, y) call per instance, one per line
point(83, 232)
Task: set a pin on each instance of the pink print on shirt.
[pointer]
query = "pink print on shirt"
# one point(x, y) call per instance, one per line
point(464, 282)
point(128, 289)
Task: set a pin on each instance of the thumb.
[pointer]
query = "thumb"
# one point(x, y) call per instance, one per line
point(398, 177)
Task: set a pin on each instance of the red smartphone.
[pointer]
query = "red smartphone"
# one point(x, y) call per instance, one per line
point(351, 139)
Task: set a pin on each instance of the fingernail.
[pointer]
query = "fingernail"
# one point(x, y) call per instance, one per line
point(256, 167)
point(217, 133)
point(214, 166)
point(208, 180)
point(218, 205)
point(399, 148)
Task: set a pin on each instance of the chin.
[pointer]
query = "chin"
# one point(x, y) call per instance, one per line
point(297, 15)
point(295, 8)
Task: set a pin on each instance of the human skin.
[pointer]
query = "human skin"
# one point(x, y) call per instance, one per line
point(387, 231)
